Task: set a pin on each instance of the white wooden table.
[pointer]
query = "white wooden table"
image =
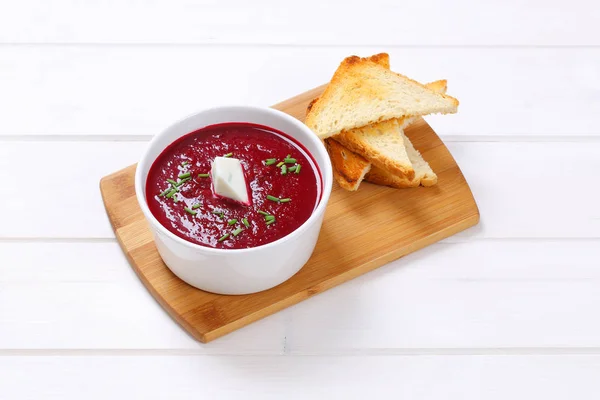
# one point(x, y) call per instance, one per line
point(507, 310)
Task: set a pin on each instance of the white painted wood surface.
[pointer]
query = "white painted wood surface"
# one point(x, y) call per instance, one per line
point(320, 377)
point(505, 310)
point(112, 90)
point(311, 22)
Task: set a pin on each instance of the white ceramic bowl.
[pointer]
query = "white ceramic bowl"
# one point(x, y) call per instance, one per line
point(237, 271)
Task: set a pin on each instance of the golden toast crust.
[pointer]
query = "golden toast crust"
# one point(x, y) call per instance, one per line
point(355, 141)
point(349, 168)
point(353, 161)
point(359, 80)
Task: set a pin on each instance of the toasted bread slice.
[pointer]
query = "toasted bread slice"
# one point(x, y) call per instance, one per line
point(382, 59)
point(312, 103)
point(423, 171)
point(363, 92)
point(424, 175)
point(382, 144)
point(438, 86)
point(349, 168)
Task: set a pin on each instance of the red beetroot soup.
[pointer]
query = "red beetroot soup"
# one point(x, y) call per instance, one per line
point(187, 207)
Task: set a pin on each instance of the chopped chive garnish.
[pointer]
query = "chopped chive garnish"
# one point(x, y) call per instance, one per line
point(203, 175)
point(263, 213)
point(219, 213)
point(273, 198)
point(270, 161)
point(228, 155)
point(292, 169)
point(270, 222)
point(231, 221)
point(171, 193)
point(280, 164)
point(172, 182)
point(245, 222)
point(237, 231)
point(175, 199)
point(288, 156)
point(167, 190)
point(190, 211)
point(269, 218)
point(183, 164)
point(286, 200)
point(225, 236)
point(186, 175)
point(298, 168)
point(283, 169)
point(289, 160)
point(195, 206)
point(181, 182)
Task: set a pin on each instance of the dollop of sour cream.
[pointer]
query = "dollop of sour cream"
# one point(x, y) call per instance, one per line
point(228, 179)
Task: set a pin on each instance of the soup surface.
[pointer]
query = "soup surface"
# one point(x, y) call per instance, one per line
point(282, 179)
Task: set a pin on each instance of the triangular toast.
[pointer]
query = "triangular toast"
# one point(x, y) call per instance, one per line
point(350, 167)
point(382, 144)
point(363, 92)
point(424, 175)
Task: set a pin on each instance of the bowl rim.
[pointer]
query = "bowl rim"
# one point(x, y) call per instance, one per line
point(326, 176)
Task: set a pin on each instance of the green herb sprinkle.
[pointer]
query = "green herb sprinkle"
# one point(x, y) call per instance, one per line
point(190, 211)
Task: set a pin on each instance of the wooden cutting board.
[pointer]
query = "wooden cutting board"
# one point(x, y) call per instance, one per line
point(362, 230)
